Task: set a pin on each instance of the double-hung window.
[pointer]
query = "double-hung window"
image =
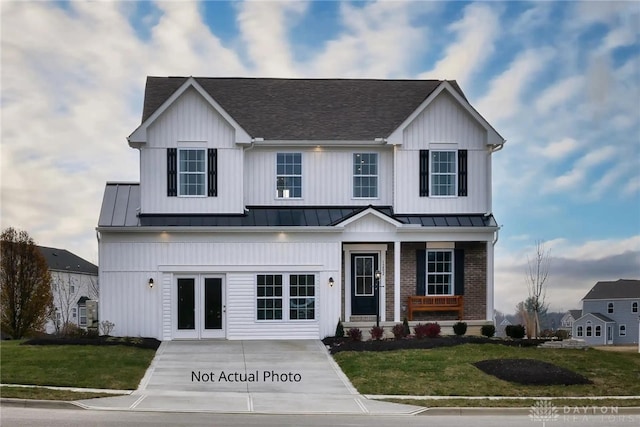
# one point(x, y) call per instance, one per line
point(440, 272)
point(365, 175)
point(288, 175)
point(302, 296)
point(443, 173)
point(269, 296)
point(192, 172)
point(83, 315)
point(275, 292)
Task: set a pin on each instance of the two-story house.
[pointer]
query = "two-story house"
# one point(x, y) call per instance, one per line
point(272, 208)
point(610, 314)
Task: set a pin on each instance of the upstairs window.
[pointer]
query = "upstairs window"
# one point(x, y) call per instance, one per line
point(439, 272)
point(289, 175)
point(634, 307)
point(191, 172)
point(443, 173)
point(365, 175)
point(610, 308)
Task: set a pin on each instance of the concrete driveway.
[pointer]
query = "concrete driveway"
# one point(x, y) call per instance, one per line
point(297, 376)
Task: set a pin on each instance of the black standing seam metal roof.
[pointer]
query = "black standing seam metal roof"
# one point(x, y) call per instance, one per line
point(122, 200)
point(306, 109)
point(63, 260)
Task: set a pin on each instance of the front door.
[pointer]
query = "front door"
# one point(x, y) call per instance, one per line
point(609, 334)
point(200, 307)
point(363, 289)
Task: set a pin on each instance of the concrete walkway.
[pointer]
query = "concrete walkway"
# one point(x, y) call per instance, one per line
point(284, 377)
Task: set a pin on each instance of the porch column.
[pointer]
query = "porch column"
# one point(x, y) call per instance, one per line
point(396, 281)
point(490, 280)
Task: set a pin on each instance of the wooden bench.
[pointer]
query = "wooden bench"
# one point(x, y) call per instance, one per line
point(436, 303)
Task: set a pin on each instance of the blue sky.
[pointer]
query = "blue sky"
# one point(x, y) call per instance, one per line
point(559, 80)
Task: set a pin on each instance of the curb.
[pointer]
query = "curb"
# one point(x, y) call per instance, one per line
point(623, 410)
point(42, 404)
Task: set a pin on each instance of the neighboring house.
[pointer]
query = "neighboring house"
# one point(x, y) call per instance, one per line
point(501, 329)
point(266, 206)
point(610, 314)
point(566, 323)
point(73, 281)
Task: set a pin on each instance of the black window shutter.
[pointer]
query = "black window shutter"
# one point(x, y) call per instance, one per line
point(421, 272)
point(212, 172)
point(172, 172)
point(458, 271)
point(462, 173)
point(424, 173)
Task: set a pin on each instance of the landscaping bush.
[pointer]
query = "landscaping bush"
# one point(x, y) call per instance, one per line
point(339, 329)
point(407, 330)
point(377, 332)
point(460, 328)
point(355, 334)
point(398, 331)
point(430, 330)
point(488, 330)
point(72, 330)
point(515, 331)
point(562, 334)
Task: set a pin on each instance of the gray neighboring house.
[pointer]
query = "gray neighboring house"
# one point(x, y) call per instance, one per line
point(567, 321)
point(74, 281)
point(610, 314)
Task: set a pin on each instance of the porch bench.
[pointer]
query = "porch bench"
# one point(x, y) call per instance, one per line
point(436, 303)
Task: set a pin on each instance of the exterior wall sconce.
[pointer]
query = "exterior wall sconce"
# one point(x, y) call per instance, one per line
point(377, 275)
point(331, 282)
point(151, 282)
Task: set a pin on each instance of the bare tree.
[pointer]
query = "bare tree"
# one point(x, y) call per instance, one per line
point(536, 278)
point(66, 291)
point(25, 284)
point(94, 288)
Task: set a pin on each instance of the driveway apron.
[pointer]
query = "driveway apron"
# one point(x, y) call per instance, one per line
point(274, 376)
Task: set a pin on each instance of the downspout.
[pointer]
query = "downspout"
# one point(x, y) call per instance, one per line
point(250, 147)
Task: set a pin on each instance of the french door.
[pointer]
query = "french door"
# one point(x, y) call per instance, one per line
point(199, 309)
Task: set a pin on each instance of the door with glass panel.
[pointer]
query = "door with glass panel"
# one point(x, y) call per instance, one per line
point(199, 307)
point(363, 289)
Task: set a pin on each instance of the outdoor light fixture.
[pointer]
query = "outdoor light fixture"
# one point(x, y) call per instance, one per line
point(151, 282)
point(331, 281)
point(377, 275)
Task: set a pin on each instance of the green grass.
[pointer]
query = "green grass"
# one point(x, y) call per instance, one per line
point(449, 371)
point(520, 403)
point(115, 367)
point(48, 394)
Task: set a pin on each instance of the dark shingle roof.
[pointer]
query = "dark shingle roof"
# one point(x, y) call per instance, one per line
point(599, 316)
point(622, 288)
point(121, 202)
point(306, 109)
point(63, 260)
point(576, 314)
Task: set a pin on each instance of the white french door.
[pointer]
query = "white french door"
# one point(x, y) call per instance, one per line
point(199, 308)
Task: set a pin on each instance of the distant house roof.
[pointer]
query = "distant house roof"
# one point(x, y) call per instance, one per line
point(306, 109)
point(622, 288)
point(576, 314)
point(121, 204)
point(63, 260)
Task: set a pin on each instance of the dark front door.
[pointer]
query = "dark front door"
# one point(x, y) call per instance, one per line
point(363, 289)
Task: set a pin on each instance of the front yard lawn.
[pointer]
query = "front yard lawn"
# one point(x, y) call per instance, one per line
point(114, 367)
point(449, 371)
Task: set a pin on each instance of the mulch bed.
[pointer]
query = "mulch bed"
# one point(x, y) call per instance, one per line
point(150, 343)
point(530, 372)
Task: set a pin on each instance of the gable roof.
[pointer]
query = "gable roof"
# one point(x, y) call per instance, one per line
point(576, 314)
point(622, 288)
point(63, 260)
point(598, 316)
point(307, 109)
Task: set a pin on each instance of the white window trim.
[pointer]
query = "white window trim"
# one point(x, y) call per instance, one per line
point(622, 328)
point(612, 308)
point(579, 331)
point(432, 173)
point(597, 331)
point(376, 176)
point(286, 297)
point(452, 283)
point(291, 176)
point(634, 308)
point(589, 328)
point(179, 173)
point(82, 308)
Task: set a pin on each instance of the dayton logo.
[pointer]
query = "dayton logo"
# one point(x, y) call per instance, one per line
point(543, 411)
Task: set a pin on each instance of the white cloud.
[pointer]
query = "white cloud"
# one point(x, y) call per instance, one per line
point(578, 173)
point(559, 93)
point(476, 34)
point(559, 149)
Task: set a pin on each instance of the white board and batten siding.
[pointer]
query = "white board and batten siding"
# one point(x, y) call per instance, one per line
point(127, 263)
point(443, 125)
point(327, 176)
point(191, 122)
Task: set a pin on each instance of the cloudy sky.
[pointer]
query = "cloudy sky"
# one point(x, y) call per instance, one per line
point(560, 81)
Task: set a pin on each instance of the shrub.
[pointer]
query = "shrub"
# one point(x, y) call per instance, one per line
point(430, 330)
point(515, 331)
point(460, 328)
point(339, 329)
point(562, 334)
point(488, 330)
point(107, 327)
point(355, 334)
point(547, 333)
point(72, 330)
point(398, 331)
point(405, 325)
point(377, 332)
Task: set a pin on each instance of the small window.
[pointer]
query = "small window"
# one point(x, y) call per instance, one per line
point(443, 173)
point(83, 315)
point(191, 172)
point(302, 296)
point(269, 291)
point(439, 272)
point(73, 289)
point(610, 307)
point(365, 175)
point(598, 331)
point(622, 331)
point(288, 175)
point(588, 330)
point(74, 312)
point(634, 307)
point(579, 331)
